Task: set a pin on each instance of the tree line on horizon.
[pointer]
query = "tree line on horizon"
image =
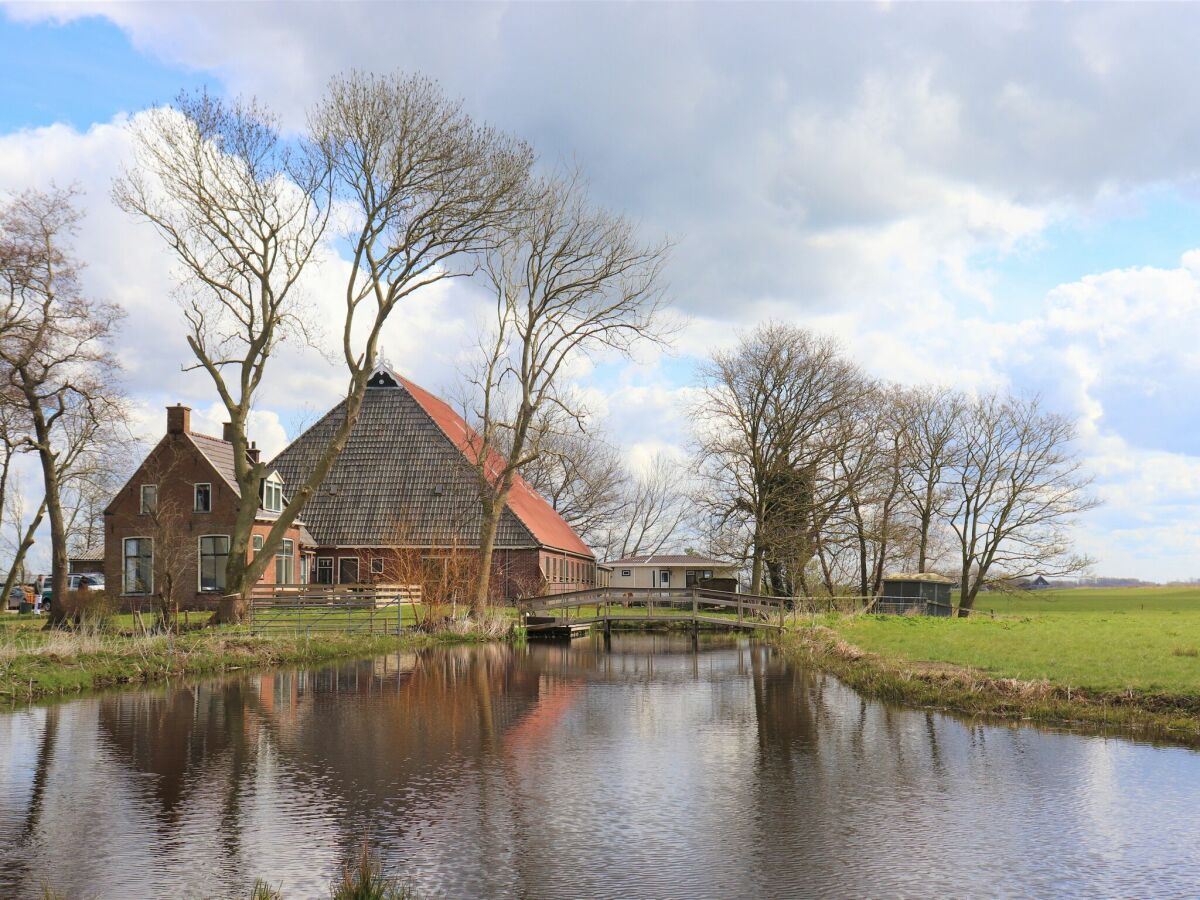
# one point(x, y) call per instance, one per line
point(815, 476)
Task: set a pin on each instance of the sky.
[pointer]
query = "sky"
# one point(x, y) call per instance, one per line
point(995, 197)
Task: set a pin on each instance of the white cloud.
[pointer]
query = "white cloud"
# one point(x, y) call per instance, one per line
point(846, 167)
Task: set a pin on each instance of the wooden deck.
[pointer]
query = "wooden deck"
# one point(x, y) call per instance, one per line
point(576, 612)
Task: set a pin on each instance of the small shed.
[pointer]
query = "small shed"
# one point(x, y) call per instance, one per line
point(923, 593)
point(88, 561)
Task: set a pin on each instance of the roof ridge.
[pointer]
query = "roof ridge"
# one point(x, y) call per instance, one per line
point(211, 437)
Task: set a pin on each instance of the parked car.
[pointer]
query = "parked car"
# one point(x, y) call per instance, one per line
point(18, 595)
point(92, 582)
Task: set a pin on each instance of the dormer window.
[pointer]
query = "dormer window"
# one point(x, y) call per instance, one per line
point(272, 493)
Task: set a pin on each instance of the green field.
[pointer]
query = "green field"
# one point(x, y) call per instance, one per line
point(1131, 639)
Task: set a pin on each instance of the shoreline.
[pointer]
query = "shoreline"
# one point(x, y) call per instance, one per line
point(969, 692)
point(102, 661)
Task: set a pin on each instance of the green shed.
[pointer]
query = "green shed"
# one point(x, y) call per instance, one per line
point(922, 593)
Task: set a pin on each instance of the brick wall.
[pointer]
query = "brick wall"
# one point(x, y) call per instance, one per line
point(175, 465)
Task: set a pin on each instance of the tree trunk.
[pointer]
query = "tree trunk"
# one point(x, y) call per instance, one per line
point(58, 526)
point(966, 593)
point(493, 508)
point(756, 569)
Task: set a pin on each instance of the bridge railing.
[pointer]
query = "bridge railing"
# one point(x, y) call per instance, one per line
point(684, 603)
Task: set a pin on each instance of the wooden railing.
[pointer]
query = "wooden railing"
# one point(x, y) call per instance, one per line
point(631, 605)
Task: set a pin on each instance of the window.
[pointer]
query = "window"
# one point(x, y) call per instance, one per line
point(139, 566)
point(203, 498)
point(272, 495)
point(348, 570)
point(324, 570)
point(376, 565)
point(305, 562)
point(214, 554)
point(149, 499)
point(664, 578)
point(257, 542)
point(689, 578)
point(626, 573)
point(285, 563)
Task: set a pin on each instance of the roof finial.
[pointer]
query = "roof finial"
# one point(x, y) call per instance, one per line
point(381, 360)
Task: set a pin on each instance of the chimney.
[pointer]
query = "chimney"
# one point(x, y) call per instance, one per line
point(227, 432)
point(179, 419)
point(252, 451)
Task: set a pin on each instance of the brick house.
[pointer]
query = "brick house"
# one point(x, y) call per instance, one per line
point(400, 504)
point(167, 530)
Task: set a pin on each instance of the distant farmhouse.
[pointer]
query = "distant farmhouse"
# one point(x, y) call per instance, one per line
point(659, 570)
point(399, 505)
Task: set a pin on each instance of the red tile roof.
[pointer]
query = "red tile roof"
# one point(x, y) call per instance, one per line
point(546, 525)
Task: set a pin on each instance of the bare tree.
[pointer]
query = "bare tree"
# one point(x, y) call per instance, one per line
point(22, 534)
point(569, 279)
point(243, 215)
point(585, 481)
point(870, 461)
point(655, 513)
point(54, 356)
point(932, 417)
point(766, 425)
point(169, 526)
point(421, 184)
point(1016, 487)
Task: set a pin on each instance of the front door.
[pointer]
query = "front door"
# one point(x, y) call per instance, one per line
point(664, 578)
point(348, 570)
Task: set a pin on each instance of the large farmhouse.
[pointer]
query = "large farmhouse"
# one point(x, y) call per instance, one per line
point(400, 503)
point(399, 506)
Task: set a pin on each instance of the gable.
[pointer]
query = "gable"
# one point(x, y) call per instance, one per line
point(186, 463)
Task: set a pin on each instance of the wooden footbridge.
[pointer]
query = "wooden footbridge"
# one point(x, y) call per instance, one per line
point(577, 611)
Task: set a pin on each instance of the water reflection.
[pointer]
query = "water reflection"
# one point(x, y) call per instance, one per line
point(644, 767)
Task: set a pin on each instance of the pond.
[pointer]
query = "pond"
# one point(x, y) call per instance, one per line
point(647, 767)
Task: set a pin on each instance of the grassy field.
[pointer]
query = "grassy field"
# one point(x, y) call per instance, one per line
point(1145, 640)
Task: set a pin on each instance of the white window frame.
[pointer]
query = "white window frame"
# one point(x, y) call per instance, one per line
point(256, 543)
point(376, 559)
point(627, 573)
point(272, 486)
point(143, 506)
point(200, 589)
point(332, 570)
point(289, 555)
point(357, 570)
point(196, 498)
point(124, 566)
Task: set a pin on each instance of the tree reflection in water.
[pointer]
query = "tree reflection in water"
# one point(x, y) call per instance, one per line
point(644, 766)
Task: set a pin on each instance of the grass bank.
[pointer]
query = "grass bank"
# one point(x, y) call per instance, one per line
point(37, 664)
point(1127, 659)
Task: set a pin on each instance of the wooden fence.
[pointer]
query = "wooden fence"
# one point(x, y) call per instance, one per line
point(353, 608)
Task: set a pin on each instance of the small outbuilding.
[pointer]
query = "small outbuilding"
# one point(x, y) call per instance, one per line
point(920, 593)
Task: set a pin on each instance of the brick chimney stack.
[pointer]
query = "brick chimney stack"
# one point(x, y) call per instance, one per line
point(227, 432)
point(252, 451)
point(179, 419)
